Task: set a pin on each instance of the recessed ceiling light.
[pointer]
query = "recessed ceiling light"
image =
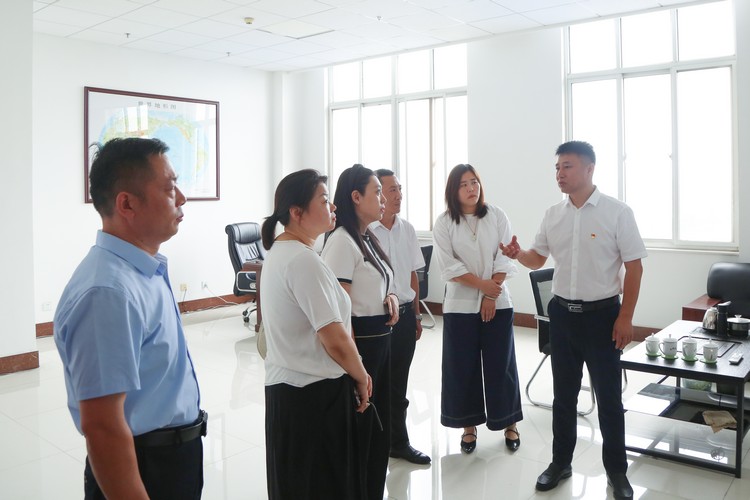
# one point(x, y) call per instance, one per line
point(295, 29)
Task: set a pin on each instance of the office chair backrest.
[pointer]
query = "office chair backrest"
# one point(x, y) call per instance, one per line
point(244, 243)
point(541, 286)
point(422, 273)
point(731, 281)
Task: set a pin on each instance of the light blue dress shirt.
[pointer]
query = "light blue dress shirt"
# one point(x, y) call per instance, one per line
point(118, 330)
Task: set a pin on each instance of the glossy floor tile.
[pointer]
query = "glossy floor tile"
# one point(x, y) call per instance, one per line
point(42, 454)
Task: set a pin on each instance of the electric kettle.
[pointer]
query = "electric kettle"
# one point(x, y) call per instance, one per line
point(709, 319)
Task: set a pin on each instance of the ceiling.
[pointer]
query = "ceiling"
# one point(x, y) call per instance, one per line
point(279, 37)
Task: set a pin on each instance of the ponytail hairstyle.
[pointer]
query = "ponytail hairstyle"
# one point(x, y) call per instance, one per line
point(451, 193)
point(295, 190)
point(356, 178)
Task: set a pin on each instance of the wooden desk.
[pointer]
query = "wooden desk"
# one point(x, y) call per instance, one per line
point(722, 372)
point(255, 266)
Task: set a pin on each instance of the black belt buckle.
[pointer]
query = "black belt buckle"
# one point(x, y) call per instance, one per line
point(204, 423)
point(575, 308)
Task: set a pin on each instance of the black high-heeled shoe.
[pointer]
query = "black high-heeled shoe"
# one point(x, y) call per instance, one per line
point(512, 444)
point(469, 446)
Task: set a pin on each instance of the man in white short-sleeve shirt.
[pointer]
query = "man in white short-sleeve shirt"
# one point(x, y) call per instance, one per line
point(399, 241)
point(597, 249)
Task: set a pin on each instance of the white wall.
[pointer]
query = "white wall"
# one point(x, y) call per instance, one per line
point(64, 226)
point(16, 252)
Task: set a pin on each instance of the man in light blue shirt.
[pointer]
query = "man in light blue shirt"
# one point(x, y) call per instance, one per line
point(132, 390)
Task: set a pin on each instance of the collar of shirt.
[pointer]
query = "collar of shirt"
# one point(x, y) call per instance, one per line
point(593, 199)
point(148, 265)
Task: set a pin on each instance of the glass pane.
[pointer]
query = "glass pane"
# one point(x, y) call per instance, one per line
point(592, 46)
point(450, 66)
point(594, 111)
point(704, 127)
point(344, 143)
point(414, 72)
point(648, 153)
point(415, 161)
point(646, 39)
point(706, 31)
point(376, 77)
point(376, 137)
point(345, 82)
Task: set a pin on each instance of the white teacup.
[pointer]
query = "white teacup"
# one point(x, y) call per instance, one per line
point(652, 345)
point(668, 347)
point(689, 348)
point(710, 352)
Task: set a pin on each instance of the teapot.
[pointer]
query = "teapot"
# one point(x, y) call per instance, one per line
point(709, 319)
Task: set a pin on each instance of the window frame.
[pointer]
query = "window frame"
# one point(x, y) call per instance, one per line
point(673, 68)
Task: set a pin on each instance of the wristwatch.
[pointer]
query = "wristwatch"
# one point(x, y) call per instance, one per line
point(419, 317)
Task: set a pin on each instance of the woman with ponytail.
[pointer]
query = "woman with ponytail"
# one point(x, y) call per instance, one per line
point(362, 268)
point(315, 379)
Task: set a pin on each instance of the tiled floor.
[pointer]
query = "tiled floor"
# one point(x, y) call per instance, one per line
point(42, 455)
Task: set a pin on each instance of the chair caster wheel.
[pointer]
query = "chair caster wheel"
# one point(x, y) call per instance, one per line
point(246, 319)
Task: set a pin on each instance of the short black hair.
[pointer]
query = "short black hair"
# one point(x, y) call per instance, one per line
point(384, 172)
point(580, 148)
point(121, 164)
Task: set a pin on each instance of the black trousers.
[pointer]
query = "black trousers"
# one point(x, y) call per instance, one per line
point(577, 338)
point(168, 472)
point(403, 344)
point(374, 443)
point(480, 376)
point(310, 441)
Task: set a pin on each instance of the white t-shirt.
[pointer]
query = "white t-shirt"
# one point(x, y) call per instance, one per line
point(401, 245)
point(589, 245)
point(300, 295)
point(368, 286)
point(457, 253)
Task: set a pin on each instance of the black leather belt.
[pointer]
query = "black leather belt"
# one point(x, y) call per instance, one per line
point(174, 435)
point(405, 307)
point(579, 306)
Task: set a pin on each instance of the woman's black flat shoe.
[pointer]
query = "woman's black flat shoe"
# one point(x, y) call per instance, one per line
point(469, 446)
point(512, 444)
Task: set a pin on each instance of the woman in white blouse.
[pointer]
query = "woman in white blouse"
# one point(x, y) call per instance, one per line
point(480, 378)
point(362, 268)
point(314, 377)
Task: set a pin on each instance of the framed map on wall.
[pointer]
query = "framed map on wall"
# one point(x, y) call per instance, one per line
point(190, 127)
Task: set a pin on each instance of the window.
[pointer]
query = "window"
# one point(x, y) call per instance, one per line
point(406, 113)
point(653, 94)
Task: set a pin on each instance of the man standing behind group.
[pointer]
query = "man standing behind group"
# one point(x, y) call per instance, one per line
point(590, 236)
point(131, 386)
point(399, 241)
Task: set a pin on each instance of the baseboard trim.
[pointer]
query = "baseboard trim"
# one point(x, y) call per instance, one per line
point(45, 329)
point(19, 362)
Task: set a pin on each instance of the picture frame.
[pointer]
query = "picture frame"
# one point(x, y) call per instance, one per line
point(190, 127)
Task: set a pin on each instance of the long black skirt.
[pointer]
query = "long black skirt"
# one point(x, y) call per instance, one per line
point(310, 441)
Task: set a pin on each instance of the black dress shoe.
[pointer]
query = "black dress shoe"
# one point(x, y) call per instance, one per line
point(512, 444)
point(411, 455)
point(620, 486)
point(550, 477)
point(469, 446)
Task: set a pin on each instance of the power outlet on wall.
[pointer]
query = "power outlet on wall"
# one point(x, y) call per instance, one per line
point(204, 285)
point(183, 287)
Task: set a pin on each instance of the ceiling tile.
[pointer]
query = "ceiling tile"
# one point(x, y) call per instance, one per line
point(337, 19)
point(378, 31)
point(180, 38)
point(336, 39)
point(559, 15)
point(528, 5)
point(99, 36)
point(153, 45)
point(258, 38)
point(504, 24)
point(136, 29)
point(383, 9)
point(414, 41)
point(203, 55)
point(474, 11)
point(55, 29)
point(70, 17)
point(424, 21)
point(300, 47)
point(109, 8)
point(215, 29)
point(224, 46)
point(611, 7)
point(200, 8)
point(294, 28)
point(237, 17)
point(458, 33)
point(159, 17)
point(291, 8)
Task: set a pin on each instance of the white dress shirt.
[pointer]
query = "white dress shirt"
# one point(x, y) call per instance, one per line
point(589, 245)
point(458, 253)
point(401, 245)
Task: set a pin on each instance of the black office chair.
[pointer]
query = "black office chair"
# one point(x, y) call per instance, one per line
point(728, 281)
point(541, 286)
point(422, 276)
point(245, 247)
